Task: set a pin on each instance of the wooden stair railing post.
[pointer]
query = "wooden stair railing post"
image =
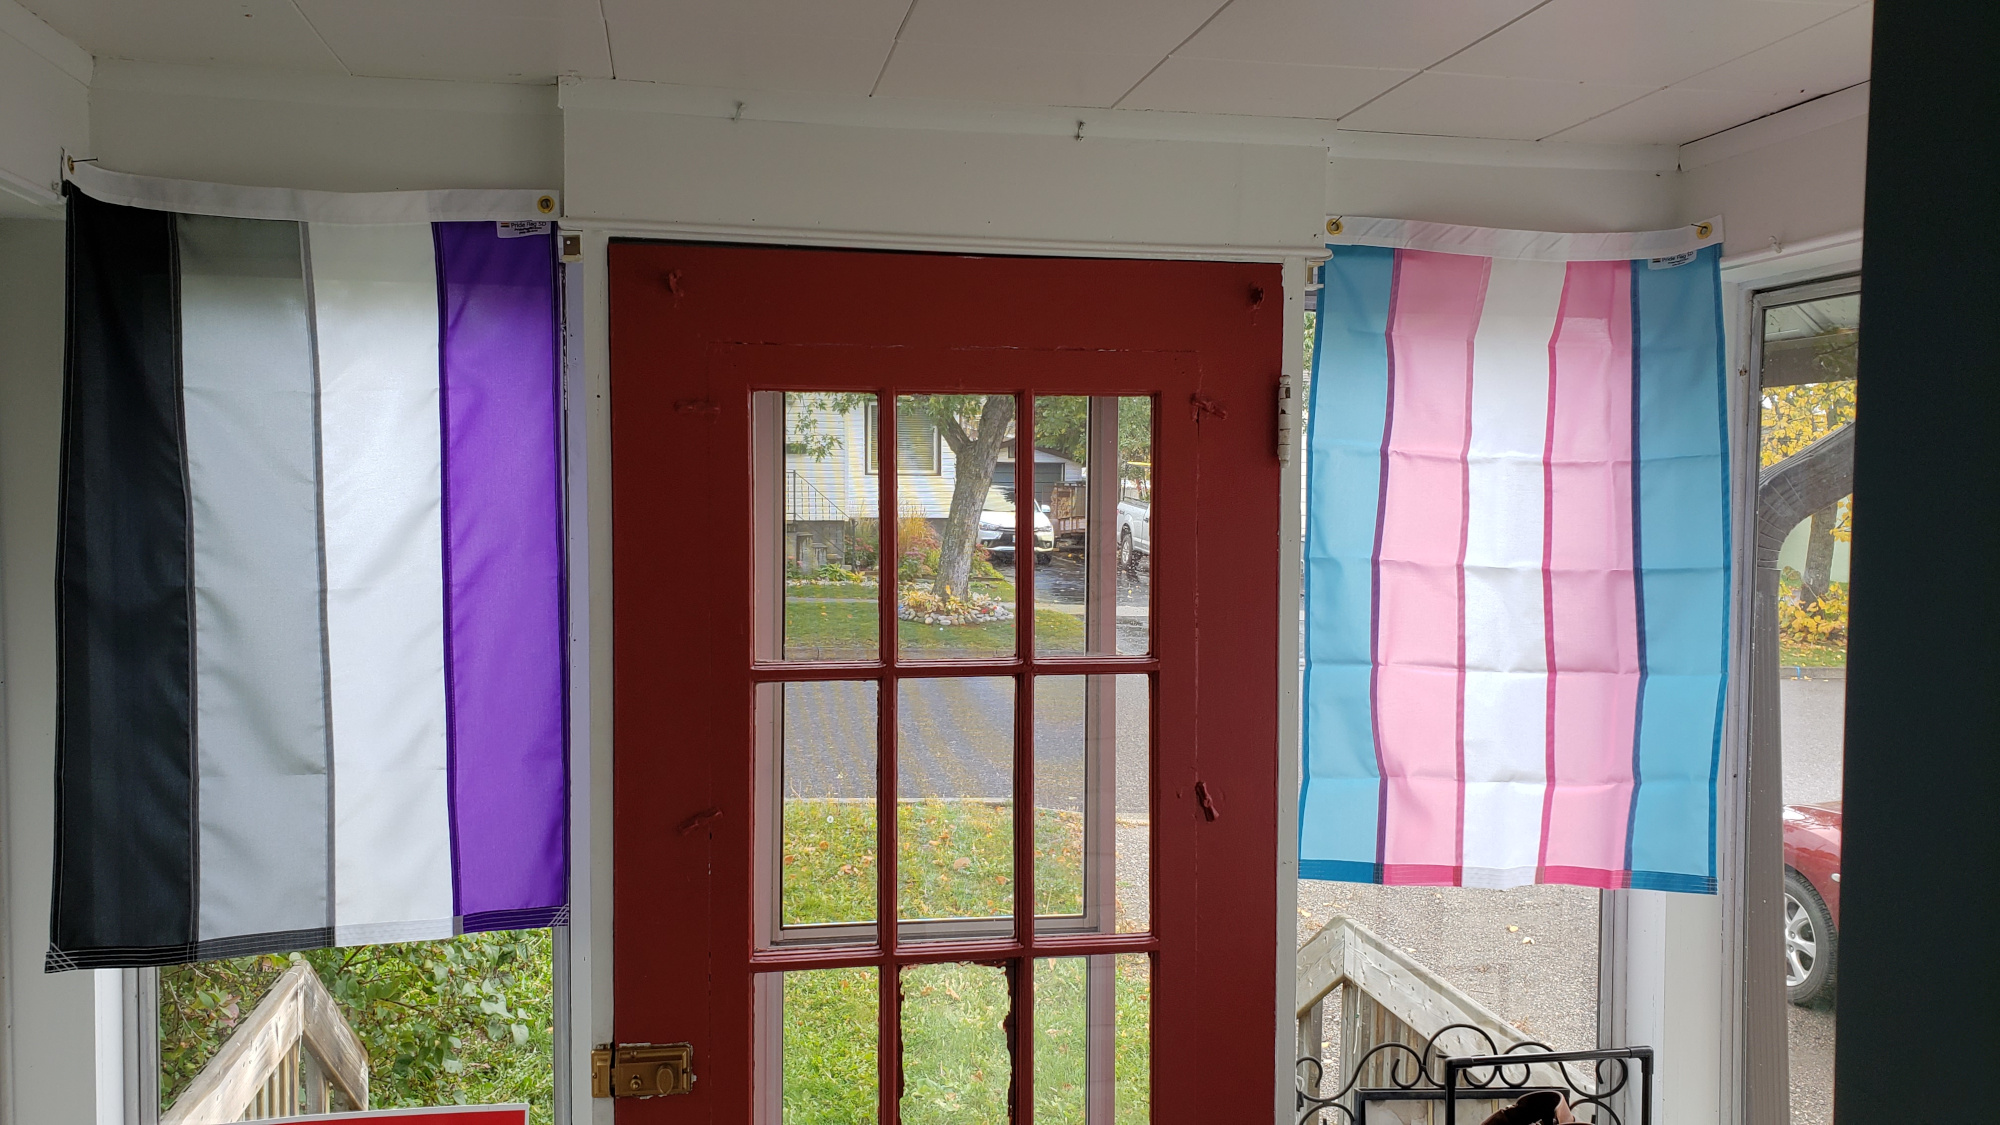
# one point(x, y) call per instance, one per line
point(258, 1068)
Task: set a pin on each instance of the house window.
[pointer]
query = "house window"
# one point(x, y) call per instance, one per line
point(918, 450)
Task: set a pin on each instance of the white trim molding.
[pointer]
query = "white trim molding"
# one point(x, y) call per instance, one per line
point(1540, 246)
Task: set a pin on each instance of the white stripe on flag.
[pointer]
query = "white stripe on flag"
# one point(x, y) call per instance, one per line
point(1506, 681)
point(375, 293)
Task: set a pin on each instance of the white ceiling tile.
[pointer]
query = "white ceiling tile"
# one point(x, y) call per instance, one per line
point(830, 46)
point(1260, 88)
point(1409, 34)
point(1107, 27)
point(1460, 105)
point(518, 40)
point(1831, 56)
point(1634, 42)
point(265, 34)
point(1673, 116)
point(1010, 75)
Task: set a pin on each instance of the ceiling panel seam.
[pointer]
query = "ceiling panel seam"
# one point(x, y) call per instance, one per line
point(1446, 59)
point(893, 44)
point(610, 52)
point(345, 69)
point(1170, 54)
point(1710, 70)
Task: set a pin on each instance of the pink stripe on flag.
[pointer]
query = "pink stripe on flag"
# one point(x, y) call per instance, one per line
point(1420, 641)
point(1592, 619)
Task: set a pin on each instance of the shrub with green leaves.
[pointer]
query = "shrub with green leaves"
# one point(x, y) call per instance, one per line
point(465, 1021)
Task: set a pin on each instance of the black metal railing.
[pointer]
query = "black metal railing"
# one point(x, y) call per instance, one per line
point(1431, 1075)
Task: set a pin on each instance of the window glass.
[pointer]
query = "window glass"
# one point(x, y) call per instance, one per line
point(823, 541)
point(917, 444)
point(955, 549)
point(827, 1062)
point(825, 859)
point(469, 1019)
point(955, 813)
point(1092, 564)
point(956, 1065)
point(1809, 386)
point(1092, 803)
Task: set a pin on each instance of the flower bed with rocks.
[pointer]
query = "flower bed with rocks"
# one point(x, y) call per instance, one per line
point(919, 604)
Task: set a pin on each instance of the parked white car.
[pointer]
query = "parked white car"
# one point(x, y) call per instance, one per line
point(996, 526)
point(1135, 522)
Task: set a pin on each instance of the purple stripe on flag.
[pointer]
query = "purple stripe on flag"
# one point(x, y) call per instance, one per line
point(503, 570)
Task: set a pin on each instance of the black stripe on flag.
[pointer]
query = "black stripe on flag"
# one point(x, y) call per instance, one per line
point(125, 859)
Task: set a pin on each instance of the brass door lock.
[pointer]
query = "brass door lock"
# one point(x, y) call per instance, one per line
point(641, 1070)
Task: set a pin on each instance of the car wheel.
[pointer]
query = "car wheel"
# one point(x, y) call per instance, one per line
point(1126, 559)
point(1810, 942)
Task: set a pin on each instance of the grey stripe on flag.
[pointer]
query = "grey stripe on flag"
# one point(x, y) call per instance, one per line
point(261, 711)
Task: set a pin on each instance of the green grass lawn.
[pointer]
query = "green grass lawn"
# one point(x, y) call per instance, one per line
point(1791, 653)
point(847, 630)
point(956, 861)
point(956, 1070)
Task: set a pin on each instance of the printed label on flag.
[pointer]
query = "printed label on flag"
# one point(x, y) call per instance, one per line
point(521, 228)
point(1651, 263)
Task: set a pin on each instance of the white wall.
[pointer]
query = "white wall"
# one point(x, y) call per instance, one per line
point(44, 91)
point(1791, 178)
point(634, 159)
point(47, 1073)
point(329, 132)
point(1521, 197)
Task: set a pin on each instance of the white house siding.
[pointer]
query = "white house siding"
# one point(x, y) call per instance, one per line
point(843, 479)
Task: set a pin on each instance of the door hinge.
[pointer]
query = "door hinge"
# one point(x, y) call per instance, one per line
point(1284, 419)
point(641, 1070)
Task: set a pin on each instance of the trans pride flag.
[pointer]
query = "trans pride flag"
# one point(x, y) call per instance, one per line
point(1517, 559)
point(310, 586)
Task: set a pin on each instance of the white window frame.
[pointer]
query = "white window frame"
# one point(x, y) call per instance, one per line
point(1756, 1043)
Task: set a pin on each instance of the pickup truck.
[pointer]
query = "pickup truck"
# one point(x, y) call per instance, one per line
point(1135, 519)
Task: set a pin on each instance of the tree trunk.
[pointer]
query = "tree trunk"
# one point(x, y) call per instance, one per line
point(1819, 555)
point(976, 453)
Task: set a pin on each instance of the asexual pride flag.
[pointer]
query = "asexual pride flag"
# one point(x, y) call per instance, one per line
point(1517, 559)
point(310, 589)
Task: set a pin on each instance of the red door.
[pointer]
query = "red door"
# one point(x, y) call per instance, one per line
point(946, 593)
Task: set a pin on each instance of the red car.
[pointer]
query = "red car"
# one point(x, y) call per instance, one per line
point(1812, 899)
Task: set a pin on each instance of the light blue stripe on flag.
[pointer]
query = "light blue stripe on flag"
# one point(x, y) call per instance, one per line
point(1340, 799)
point(1682, 475)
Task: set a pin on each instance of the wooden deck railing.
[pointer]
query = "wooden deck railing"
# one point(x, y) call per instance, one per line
point(281, 1061)
point(1386, 996)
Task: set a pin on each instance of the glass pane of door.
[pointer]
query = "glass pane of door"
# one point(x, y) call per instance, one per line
point(1093, 797)
point(827, 1061)
point(823, 736)
point(1093, 1040)
point(957, 524)
point(957, 1068)
point(820, 537)
point(1093, 589)
point(955, 815)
